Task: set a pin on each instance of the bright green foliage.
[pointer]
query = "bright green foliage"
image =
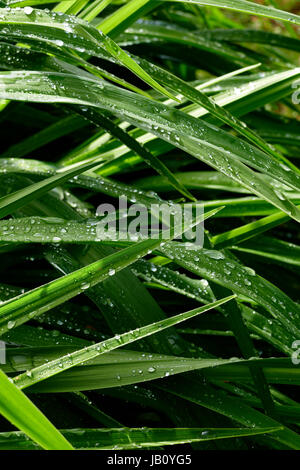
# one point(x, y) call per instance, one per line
point(186, 103)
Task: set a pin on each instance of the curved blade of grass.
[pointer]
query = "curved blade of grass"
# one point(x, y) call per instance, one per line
point(246, 346)
point(270, 330)
point(70, 7)
point(251, 8)
point(181, 36)
point(24, 3)
point(112, 369)
point(247, 231)
point(126, 293)
point(253, 35)
point(21, 412)
point(19, 310)
point(272, 248)
point(54, 229)
point(265, 164)
point(169, 124)
point(197, 289)
point(217, 267)
point(93, 144)
point(192, 180)
point(98, 377)
point(126, 15)
point(201, 180)
point(94, 183)
point(37, 336)
point(20, 58)
point(48, 230)
point(150, 29)
point(92, 10)
point(236, 207)
point(250, 206)
point(78, 357)
point(116, 369)
point(14, 201)
point(67, 32)
point(116, 131)
point(205, 395)
point(132, 438)
point(240, 99)
point(196, 96)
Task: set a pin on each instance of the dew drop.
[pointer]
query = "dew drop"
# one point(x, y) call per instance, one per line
point(28, 10)
point(85, 286)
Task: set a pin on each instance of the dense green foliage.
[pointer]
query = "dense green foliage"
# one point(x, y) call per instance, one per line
point(190, 102)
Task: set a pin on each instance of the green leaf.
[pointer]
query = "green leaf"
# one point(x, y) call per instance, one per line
point(251, 8)
point(116, 131)
point(19, 310)
point(132, 438)
point(14, 201)
point(214, 399)
point(184, 132)
point(273, 249)
point(21, 412)
point(217, 267)
point(68, 32)
point(78, 357)
point(127, 14)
